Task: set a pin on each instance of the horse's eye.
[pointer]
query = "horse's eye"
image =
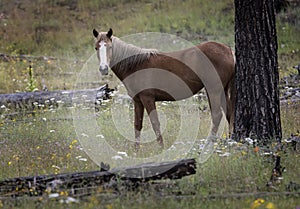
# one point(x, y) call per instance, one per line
point(96, 48)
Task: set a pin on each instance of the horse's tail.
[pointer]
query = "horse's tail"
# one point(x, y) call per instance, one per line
point(231, 106)
point(231, 93)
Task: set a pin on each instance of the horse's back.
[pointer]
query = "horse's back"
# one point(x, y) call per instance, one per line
point(218, 53)
point(221, 57)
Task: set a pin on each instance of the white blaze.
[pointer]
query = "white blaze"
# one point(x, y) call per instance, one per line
point(102, 54)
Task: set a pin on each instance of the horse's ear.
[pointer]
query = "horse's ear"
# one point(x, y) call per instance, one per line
point(109, 33)
point(95, 33)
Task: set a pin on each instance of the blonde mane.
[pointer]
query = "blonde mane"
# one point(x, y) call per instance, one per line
point(127, 56)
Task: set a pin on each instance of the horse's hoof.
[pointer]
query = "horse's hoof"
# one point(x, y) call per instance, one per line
point(137, 147)
point(161, 143)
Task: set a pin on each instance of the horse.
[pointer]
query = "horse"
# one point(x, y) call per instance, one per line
point(150, 75)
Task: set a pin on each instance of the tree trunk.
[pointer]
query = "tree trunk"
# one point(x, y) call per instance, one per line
point(257, 112)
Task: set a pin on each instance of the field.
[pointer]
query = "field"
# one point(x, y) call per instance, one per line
point(49, 44)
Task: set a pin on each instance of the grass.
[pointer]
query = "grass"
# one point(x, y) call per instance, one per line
point(171, 202)
point(39, 145)
point(45, 140)
point(45, 32)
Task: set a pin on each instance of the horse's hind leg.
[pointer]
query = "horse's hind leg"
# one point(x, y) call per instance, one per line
point(138, 121)
point(149, 104)
point(228, 107)
point(216, 101)
point(230, 103)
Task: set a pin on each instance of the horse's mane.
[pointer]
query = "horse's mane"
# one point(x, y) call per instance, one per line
point(127, 56)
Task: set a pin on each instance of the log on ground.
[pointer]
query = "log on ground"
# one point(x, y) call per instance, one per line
point(74, 182)
point(32, 100)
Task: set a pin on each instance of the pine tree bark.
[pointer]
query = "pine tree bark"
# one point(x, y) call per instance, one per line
point(257, 112)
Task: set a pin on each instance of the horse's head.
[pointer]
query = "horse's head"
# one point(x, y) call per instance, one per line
point(103, 46)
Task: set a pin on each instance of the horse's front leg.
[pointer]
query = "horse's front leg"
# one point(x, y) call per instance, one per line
point(149, 104)
point(138, 122)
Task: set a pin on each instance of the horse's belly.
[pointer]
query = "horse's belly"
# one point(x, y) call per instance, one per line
point(175, 93)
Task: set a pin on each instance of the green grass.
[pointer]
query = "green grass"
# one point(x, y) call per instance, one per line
point(45, 142)
point(63, 30)
point(151, 202)
point(59, 26)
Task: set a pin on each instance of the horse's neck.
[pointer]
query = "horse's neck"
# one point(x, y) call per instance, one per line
point(126, 57)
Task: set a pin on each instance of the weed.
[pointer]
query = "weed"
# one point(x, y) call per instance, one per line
point(31, 85)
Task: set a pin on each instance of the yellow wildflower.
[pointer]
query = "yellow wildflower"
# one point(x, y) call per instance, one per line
point(63, 193)
point(53, 156)
point(257, 203)
point(270, 206)
point(109, 206)
point(74, 141)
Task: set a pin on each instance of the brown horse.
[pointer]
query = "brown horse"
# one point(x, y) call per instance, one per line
point(150, 76)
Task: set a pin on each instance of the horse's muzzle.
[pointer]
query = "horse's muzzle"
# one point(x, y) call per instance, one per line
point(103, 69)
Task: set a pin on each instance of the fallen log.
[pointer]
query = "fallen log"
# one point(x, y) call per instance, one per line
point(40, 99)
point(7, 57)
point(74, 182)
